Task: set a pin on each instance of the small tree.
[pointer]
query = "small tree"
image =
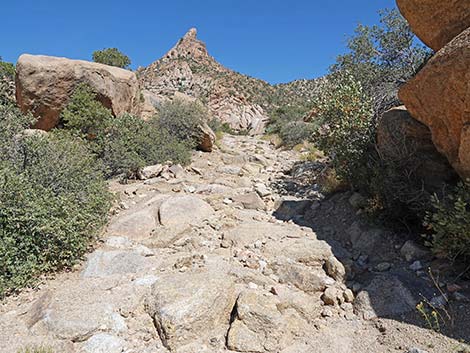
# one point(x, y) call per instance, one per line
point(382, 57)
point(112, 57)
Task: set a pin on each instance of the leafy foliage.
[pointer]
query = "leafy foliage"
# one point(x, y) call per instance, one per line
point(130, 143)
point(53, 200)
point(344, 115)
point(126, 143)
point(7, 70)
point(382, 57)
point(182, 119)
point(112, 57)
point(450, 222)
point(84, 114)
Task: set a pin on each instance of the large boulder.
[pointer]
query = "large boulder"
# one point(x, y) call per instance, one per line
point(192, 306)
point(407, 142)
point(436, 22)
point(44, 85)
point(439, 97)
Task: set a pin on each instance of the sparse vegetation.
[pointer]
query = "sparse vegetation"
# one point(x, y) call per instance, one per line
point(7, 70)
point(449, 221)
point(36, 349)
point(112, 57)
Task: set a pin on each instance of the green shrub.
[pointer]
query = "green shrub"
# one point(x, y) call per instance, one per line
point(84, 114)
point(295, 132)
point(130, 143)
point(287, 117)
point(53, 200)
point(182, 120)
point(382, 57)
point(7, 70)
point(112, 57)
point(219, 127)
point(450, 223)
point(345, 133)
point(124, 143)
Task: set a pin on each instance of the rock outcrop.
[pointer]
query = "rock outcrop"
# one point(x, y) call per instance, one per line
point(188, 68)
point(436, 22)
point(407, 142)
point(44, 85)
point(439, 97)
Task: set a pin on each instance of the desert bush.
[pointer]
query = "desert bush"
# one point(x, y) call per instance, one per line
point(219, 127)
point(84, 114)
point(7, 70)
point(129, 143)
point(295, 132)
point(290, 117)
point(449, 222)
point(344, 115)
point(383, 57)
point(53, 200)
point(181, 119)
point(124, 143)
point(112, 57)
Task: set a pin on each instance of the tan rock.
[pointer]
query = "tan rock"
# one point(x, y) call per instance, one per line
point(436, 22)
point(44, 85)
point(180, 212)
point(404, 140)
point(439, 97)
point(207, 139)
point(188, 306)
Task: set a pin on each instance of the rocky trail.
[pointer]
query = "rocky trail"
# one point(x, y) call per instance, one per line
point(238, 252)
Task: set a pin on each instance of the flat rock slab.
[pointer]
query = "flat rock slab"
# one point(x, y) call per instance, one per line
point(103, 343)
point(386, 296)
point(188, 306)
point(182, 211)
point(109, 263)
point(135, 225)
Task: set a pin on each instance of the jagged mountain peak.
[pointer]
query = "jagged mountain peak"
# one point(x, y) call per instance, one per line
point(189, 47)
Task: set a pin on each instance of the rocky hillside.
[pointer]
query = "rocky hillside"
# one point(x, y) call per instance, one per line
point(239, 100)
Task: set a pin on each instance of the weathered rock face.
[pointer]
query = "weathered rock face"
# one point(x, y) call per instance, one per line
point(44, 85)
point(189, 68)
point(406, 141)
point(439, 97)
point(436, 22)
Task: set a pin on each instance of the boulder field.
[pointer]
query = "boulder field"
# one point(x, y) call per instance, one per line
point(213, 258)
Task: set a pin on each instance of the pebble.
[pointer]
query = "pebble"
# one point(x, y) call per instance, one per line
point(439, 301)
point(383, 267)
point(327, 312)
point(416, 266)
point(348, 296)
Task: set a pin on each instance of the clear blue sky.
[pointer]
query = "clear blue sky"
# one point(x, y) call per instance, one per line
point(276, 40)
